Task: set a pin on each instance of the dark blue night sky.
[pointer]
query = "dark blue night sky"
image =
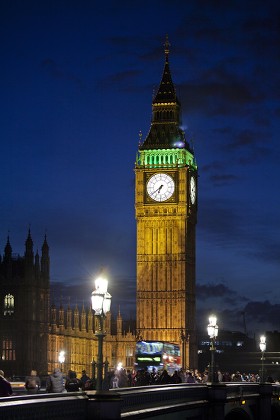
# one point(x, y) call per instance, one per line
point(77, 79)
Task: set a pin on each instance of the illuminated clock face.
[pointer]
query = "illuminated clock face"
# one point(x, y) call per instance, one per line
point(192, 190)
point(160, 187)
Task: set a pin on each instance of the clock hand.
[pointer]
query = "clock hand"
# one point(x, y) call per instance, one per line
point(158, 189)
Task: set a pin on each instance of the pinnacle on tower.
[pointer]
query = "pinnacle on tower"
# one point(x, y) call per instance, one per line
point(29, 244)
point(8, 250)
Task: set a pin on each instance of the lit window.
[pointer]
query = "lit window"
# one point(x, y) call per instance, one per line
point(9, 304)
point(129, 356)
point(8, 352)
point(129, 351)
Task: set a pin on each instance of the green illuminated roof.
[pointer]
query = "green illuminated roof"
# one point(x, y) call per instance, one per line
point(165, 158)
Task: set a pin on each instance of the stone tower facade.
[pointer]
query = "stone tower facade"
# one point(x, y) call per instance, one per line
point(24, 310)
point(166, 210)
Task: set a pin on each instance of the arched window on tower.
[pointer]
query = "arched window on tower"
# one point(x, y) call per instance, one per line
point(9, 304)
point(129, 355)
point(8, 350)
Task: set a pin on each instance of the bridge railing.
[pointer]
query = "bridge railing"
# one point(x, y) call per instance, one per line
point(70, 406)
point(137, 398)
point(198, 401)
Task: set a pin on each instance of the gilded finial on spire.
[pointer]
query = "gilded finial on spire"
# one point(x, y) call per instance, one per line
point(166, 47)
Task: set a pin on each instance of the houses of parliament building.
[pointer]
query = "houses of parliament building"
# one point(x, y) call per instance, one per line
point(33, 331)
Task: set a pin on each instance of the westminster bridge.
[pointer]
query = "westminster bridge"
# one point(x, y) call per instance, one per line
point(228, 401)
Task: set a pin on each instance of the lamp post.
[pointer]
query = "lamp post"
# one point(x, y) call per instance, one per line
point(61, 358)
point(262, 349)
point(101, 304)
point(212, 330)
point(185, 339)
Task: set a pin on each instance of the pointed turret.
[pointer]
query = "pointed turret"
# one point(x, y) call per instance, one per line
point(166, 93)
point(119, 323)
point(53, 315)
point(29, 260)
point(8, 250)
point(61, 317)
point(69, 316)
point(45, 260)
point(29, 254)
point(90, 319)
point(76, 318)
point(83, 319)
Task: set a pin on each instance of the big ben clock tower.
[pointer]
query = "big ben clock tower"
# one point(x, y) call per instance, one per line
point(166, 208)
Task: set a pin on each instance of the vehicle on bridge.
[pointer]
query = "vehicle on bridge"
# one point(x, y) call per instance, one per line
point(160, 355)
point(18, 384)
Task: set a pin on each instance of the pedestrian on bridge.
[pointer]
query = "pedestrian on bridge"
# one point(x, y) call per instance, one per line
point(55, 382)
point(32, 383)
point(5, 386)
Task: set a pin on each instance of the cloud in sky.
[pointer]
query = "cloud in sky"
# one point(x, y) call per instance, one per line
point(235, 311)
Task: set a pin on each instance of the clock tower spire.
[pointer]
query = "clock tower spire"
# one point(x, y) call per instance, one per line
point(165, 131)
point(166, 207)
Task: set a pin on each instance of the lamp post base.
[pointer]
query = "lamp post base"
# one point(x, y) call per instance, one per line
point(100, 335)
point(212, 378)
point(104, 405)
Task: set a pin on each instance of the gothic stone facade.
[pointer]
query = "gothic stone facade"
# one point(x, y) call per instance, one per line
point(32, 334)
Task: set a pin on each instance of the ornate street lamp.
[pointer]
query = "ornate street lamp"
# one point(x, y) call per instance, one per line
point(212, 330)
point(61, 358)
point(101, 304)
point(262, 349)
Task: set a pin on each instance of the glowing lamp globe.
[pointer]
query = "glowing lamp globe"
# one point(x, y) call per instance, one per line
point(262, 343)
point(100, 298)
point(212, 328)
